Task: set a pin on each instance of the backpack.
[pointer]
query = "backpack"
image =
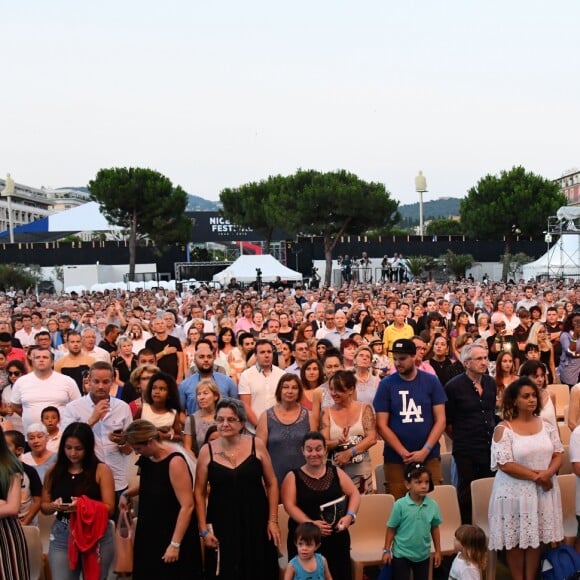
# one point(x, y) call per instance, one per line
point(560, 563)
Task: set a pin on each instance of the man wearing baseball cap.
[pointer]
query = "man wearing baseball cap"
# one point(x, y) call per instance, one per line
point(410, 408)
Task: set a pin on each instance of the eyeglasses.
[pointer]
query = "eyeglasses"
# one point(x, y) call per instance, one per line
point(227, 420)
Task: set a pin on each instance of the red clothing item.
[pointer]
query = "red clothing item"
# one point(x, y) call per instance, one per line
point(87, 526)
point(16, 354)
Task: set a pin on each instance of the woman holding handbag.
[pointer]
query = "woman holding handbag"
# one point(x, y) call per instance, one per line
point(349, 429)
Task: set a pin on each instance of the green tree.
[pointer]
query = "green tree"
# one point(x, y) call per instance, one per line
point(444, 227)
point(19, 277)
point(416, 264)
point(513, 203)
point(253, 205)
point(457, 263)
point(515, 263)
point(331, 205)
point(142, 201)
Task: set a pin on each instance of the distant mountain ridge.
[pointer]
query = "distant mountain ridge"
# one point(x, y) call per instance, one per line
point(444, 207)
point(438, 208)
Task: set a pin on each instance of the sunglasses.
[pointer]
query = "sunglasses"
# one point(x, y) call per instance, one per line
point(14, 373)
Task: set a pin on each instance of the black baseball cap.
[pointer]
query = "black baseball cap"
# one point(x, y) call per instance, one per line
point(404, 346)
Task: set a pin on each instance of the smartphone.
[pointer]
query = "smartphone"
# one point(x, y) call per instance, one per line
point(118, 431)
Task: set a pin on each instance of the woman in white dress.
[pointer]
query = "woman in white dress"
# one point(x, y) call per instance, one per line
point(525, 509)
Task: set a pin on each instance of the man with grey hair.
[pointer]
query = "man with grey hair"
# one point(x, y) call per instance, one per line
point(470, 413)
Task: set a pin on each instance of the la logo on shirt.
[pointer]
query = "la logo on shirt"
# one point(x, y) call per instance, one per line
point(411, 411)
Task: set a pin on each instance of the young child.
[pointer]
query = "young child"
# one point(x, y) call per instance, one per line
point(308, 565)
point(469, 564)
point(31, 485)
point(50, 418)
point(415, 519)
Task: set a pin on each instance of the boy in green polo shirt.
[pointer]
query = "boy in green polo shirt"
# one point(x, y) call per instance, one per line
point(415, 519)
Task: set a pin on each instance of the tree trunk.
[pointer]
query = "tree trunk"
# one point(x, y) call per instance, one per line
point(506, 259)
point(268, 241)
point(133, 246)
point(328, 259)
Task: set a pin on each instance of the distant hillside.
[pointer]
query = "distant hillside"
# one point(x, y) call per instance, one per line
point(440, 208)
point(196, 203)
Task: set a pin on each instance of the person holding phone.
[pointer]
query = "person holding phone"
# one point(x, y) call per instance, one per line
point(78, 472)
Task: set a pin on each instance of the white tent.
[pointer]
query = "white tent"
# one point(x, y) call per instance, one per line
point(561, 261)
point(244, 270)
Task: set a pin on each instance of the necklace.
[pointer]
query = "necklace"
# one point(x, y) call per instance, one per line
point(230, 456)
point(74, 475)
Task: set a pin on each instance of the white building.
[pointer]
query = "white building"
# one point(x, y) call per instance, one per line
point(31, 203)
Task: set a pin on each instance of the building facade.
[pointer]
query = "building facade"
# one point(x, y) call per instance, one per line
point(570, 185)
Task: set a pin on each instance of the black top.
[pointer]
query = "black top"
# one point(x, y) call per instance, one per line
point(446, 369)
point(74, 485)
point(169, 363)
point(471, 416)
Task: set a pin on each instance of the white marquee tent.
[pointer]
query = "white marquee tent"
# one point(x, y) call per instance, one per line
point(244, 270)
point(561, 261)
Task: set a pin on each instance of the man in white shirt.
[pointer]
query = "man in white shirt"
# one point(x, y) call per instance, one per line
point(328, 323)
point(26, 334)
point(90, 348)
point(257, 387)
point(42, 388)
point(107, 416)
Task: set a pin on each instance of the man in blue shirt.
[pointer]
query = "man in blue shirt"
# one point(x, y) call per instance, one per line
point(204, 359)
point(410, 408)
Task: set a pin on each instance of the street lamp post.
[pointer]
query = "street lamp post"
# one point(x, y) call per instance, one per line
point(421, 188)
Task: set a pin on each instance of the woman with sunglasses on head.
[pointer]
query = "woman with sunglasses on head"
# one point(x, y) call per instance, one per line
point(239, 526)
point(166, 545)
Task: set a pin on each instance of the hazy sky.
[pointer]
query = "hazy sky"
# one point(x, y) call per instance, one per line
point(214, 94)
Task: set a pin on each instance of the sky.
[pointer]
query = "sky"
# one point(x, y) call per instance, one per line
point(217, 94)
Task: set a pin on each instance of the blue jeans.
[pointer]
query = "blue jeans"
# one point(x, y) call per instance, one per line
point(58, 553)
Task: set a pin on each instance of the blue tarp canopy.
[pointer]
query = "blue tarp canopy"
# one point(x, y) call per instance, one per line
point(84, 218)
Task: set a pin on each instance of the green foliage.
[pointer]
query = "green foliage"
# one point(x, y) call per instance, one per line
point(416, 264)
point(334, 204)
point(312, 203)
point(71, 238)
point(19, 276)
point(514, 198)
point(144, 202)
point(250, 206)
point(444, 227)
point(457, 263)
point(513, 263)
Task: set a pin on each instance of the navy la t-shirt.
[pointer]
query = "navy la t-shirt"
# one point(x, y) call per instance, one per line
point(410, 407)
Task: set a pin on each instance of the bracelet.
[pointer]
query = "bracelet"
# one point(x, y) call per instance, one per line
point(352, 515)
point(126, 495)
point(204, 533)
point(353, 451)
point(174, 544)
point(387, 551)
point(428, 447)
point(273, 521)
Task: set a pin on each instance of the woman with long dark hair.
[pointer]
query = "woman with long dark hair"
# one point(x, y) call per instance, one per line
point(79, 482)
point(13, 550)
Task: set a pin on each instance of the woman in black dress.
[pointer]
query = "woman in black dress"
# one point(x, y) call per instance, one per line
point(166, 546)
point(305, 489)
point(240, 526)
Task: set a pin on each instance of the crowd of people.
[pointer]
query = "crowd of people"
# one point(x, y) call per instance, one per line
point(237, 401)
